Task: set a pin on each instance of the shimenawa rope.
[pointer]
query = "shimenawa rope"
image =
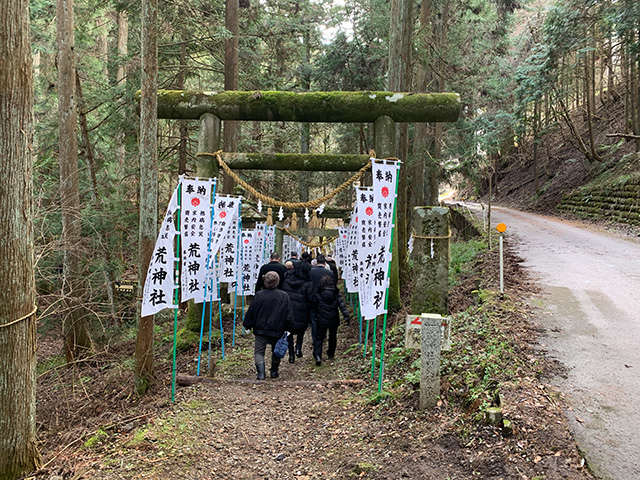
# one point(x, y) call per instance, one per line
point(277, 203)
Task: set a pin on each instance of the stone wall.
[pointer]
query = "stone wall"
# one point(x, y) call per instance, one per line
point(618, 201)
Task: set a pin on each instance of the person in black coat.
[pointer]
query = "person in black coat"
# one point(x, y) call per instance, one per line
point(269, 316)
point(331, 263)
point(320, 270)
point(327, 301)
point(315, 274)
point(294, 258)
point(299, 288)
point(273, 266)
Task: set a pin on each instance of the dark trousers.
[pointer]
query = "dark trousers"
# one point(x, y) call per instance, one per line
point(299, 340)
point(260, 347)
point(321, 333)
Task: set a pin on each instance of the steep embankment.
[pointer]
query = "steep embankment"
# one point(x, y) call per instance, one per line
point(569, 183)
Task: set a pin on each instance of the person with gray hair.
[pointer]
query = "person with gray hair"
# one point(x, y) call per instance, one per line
point(269, 316)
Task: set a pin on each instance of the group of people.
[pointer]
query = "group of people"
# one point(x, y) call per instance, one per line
point(291, 297)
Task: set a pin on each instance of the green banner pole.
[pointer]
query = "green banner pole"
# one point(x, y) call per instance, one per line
point(386, 300)
point(176, 284)
point(373, 347)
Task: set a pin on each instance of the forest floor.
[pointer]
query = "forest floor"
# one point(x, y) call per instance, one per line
point(319, 422)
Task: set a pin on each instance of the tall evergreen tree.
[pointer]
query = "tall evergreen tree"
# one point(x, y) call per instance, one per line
point(17, 288)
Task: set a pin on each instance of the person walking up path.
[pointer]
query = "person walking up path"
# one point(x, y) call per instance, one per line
point(269, 316)
point(273, 266)
point(327, 301)
point(299, 288)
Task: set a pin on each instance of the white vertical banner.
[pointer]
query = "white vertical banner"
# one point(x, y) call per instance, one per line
point(366, 248)
point(270, 242)
point(351, 268)
point(385, 174)
point(225, 213)
point(260, 243)
point(212, 280)
point(158, 292)
point(195, 221)
point(245, 273)
point(286, 247)
point(229, 254)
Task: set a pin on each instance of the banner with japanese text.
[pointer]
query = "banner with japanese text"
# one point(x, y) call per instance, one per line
point(158, 292)
point(225, 213)
point(366, 248)
point(246, 271)
point(384, 174)
point(195, 222)
point(229, 258)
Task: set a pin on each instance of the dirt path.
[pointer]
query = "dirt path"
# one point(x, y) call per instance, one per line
point(590, 310)
point(281, 429)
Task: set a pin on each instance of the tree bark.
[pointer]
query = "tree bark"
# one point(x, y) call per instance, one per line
point(184, 131)
point(77, 341)
point(399, 80)
point(18, 442)
point(589, 93)
point(148, 183)
point(122, 40)
point(230, 128)
point(420, 174)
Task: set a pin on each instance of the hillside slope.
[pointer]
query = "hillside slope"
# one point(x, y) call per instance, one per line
point(563, 169)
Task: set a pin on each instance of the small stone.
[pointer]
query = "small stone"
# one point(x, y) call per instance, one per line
point(281, 457)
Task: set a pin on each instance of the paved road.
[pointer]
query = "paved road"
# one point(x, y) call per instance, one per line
point(591, 312)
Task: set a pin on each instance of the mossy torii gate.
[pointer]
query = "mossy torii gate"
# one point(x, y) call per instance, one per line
point(383, 109)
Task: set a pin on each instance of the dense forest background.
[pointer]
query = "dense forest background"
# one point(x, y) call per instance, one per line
point(544, 85)
point(523, 70)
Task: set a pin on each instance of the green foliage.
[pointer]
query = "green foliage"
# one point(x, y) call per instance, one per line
point(483, 356)
point(462, 257)
point(97, 439)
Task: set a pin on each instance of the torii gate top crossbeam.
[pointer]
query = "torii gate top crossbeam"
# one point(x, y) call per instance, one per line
point(331, 107)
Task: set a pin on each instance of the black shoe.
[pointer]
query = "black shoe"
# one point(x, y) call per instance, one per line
point(260, 370)
point(298, 353)
point(275, 364)
point(330, 358)
point(292, 359)
point(318, 360)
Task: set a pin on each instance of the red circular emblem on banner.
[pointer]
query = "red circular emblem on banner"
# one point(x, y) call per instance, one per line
point(259, 233)
point(369, 211)
point(246, 240)
point(223, 214)
point(344, 236)
point(356, 219)
point(385, 192)
point(195, 202)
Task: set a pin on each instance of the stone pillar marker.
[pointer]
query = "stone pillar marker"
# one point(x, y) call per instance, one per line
point(430, 362)
point(431, 259)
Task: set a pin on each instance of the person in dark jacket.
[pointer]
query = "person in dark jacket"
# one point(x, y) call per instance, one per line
point(319, 271)
point(294, 258)
point(273, 266)
point(331, 263)
point(299, 288)
point(327, 301)
point(315, 274)
point(269, 315)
